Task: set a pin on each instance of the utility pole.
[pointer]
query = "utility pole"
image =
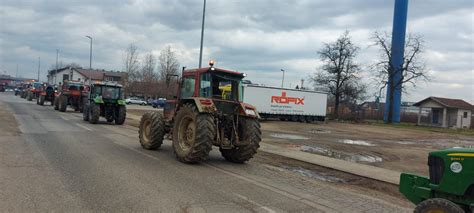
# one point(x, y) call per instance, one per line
point(202, 33)
point(90, 62)
point(16, 71)
point(56, 71)
point(39, 67)
point(282, 78)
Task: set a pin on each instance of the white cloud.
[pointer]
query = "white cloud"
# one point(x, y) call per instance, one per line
point(256, 37)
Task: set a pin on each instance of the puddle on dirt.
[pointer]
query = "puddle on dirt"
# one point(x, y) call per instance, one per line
point(405, 142)
point(368, 158)
point(356, 142)
point(289, 136)
point(319, 131)
point(313, 174)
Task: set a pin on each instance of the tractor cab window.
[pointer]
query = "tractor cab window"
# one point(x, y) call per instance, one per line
point(106, 92)
point(187, 89)
point(111, 92)
point(219, 86)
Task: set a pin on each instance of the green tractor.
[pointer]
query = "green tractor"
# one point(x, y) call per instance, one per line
point(105, 100)
point(450, 187)
point(200, 116)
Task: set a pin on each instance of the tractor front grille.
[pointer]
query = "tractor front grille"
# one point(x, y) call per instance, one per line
point(436, 165)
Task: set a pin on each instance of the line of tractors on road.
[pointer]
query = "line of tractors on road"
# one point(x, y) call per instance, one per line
point(99, 99)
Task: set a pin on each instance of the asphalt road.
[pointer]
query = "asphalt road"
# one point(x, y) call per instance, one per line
point(53, 161)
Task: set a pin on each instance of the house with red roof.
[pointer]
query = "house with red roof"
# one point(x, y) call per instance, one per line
point(80, 74)
point(445, 112)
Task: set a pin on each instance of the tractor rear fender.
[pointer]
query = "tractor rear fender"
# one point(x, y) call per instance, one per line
point(248, 110)
point(415, 188)
point(204, 105)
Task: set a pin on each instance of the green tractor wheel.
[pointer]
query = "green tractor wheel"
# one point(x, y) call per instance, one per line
point(438, 205)
point(94, 113)
point(193, 134)
point(152, 130)
point(249, 131)
point(121, 115)
point(85, 113)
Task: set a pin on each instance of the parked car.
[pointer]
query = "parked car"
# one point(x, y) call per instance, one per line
point(160, 102)
point(135, 101)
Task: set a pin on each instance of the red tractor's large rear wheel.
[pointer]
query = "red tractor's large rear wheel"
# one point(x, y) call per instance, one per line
point(193, 134)
point(250, 135)
point(152, 130)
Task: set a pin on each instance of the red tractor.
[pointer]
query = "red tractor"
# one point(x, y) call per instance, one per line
point(202, 116)
point(70, 93)
point(46, 93)
point(33, 91)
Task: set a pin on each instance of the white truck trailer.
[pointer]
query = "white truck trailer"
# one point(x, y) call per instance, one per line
point(286, 104)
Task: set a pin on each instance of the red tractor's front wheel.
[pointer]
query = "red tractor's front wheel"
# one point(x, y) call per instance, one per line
point(193, 134)
point(152, 130)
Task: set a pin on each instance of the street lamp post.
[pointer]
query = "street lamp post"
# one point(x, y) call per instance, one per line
point(56, 71)
point(90, 62)
point(39, 67)
point(202, 33)
point(282, 78)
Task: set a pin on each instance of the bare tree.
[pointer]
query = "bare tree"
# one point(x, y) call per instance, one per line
point(131, 67)
point(149, 77)
point(413, 68)
point(169, 65)
point(339, 72)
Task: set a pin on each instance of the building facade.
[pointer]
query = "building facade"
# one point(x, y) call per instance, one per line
point(79, 74)
point(445, 112)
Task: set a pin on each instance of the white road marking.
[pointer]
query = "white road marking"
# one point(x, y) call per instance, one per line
point(84, 127)
point(67, 119)
point(255, 203)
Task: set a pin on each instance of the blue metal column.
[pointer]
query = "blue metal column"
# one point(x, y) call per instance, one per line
point(397, 51)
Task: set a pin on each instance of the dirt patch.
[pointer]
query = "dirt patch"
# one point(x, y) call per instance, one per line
point(8, 124)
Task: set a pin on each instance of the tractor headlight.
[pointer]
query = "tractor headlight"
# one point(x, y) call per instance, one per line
point(250, 112)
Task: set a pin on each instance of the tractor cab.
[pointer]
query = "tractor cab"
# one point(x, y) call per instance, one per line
point(213, 90)
point(107, 92)
point(72, 86)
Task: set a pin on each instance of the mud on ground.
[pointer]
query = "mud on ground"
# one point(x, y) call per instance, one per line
point(399, 149)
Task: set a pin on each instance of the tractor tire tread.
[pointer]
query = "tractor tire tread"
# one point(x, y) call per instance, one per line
point(438, 203)
point(250, 132)
point(157, 130)
point(122, 115)
point(205, 134)
point(94, 113)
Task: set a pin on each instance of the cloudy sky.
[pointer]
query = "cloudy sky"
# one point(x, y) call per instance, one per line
point(258, 37)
